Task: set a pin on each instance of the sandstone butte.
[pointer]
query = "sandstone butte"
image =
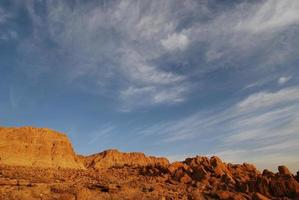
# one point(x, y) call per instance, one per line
point(37, 163)
point(37, 147)
point(114, 158)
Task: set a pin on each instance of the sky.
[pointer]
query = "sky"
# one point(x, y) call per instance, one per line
point(168, 78)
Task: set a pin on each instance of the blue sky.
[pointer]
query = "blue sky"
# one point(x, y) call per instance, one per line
point(170, 78)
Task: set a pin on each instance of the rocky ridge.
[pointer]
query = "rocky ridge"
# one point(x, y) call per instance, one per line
point(61, 174)
point(38, 147)
point(115, 158)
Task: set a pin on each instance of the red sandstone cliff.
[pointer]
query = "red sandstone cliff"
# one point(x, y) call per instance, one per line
point(40, 163)
point(38, 147)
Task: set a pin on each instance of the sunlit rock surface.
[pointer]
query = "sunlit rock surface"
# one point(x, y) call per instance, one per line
point(41, 164)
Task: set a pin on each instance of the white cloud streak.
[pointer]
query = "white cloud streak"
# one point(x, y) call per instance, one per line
point(119, 50)
point(268, 99)
point(101, 133)
point(3, 16)
point(9, 33)
point(261, 125)
point(272, 15)
point(175, 41)
point(121, 46)
point(284, 79)
point(248, 28)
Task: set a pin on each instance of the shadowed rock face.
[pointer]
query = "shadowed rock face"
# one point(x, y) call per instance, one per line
point(36, 147)
point(41, 164)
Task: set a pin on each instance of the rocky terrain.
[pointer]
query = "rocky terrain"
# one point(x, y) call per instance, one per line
point(36, 147)
point(114, 158)
point(41, 164)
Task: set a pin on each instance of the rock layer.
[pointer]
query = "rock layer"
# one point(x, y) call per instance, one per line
point(37, 147)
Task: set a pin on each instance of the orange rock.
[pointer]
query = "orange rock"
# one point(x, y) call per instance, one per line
point(67, 196)
point(242, 187)
point(185, 179)
point(178, 174)
point(114, 158)
point(249, 167)
point(284, 186)
point(268, 173)
point(57, 174)
point(199, 173)
point(195, 195)
point(263, 185)
point(177, 165)
point(258, 196)
point(198, 160)
point(283, 170)
point(228, 179)
point(224, 194)
point(37, 147)
point(218, 166)
point(10, 182)
point(23, 182)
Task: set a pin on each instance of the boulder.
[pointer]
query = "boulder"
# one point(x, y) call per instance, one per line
point(219, 167)
point(268, 173)
point(284, 186)
point(258, 196)
point(283, 170)
point(262, 185)
point(227, 195)
point(185, 178)
point(199, 173)
point(173, 167)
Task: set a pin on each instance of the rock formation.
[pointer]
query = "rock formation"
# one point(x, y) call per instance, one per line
point(37, 147)
point(41, 164)
point(114, 158)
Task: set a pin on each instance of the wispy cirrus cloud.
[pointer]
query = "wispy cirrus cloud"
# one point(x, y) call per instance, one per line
point(251, 28)
point(3, 16)
point(261, 125)
point(222, 75)
point(6, 34)
point(175, 41)
point(266, 99)
point(118, 54)
point(271, 16)
point(284, 79)
point(119, 44)
point(101, 133)
point(157, 51)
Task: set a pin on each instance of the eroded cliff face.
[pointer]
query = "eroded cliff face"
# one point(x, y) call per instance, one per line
point(115, 158)
point(41, 164)
point(37, 147)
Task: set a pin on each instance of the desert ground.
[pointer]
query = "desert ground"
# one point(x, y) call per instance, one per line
point(38, 163)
